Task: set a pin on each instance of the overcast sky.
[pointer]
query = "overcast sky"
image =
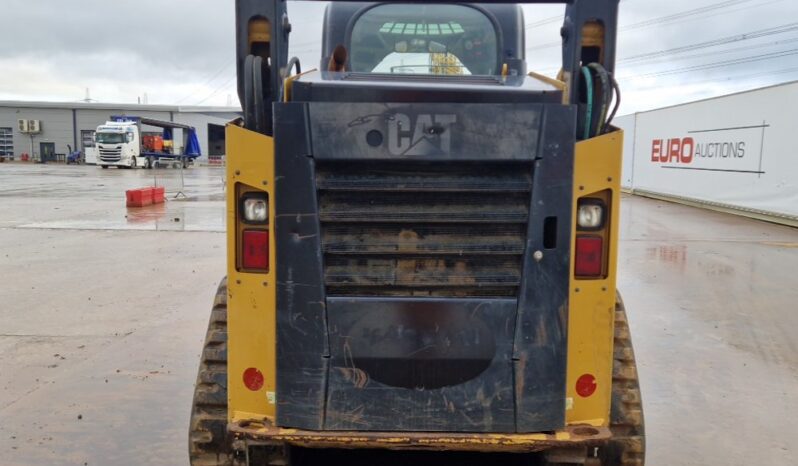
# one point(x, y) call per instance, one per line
point(181, 51)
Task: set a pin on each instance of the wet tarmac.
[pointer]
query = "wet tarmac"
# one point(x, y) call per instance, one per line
point(713, 308)
point(90, 198)
point(103, 311)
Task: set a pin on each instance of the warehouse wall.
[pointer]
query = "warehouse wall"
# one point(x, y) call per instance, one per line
point(56, 128)
point(734, 152)
point(91, 119)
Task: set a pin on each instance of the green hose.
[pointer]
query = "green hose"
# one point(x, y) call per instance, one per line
point(589, 87)
point(606, 90)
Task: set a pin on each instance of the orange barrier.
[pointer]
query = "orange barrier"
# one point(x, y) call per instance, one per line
point(145, 196)
point(158, 194)
point(139, 197)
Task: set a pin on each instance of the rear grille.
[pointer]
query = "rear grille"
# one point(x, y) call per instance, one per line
point(423, 230)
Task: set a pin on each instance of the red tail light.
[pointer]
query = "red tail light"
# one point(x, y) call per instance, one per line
point(255, 249)
point(589, 256)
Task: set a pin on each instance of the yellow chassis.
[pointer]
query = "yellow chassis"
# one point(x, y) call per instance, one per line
point(251, 322)
point(252, 433)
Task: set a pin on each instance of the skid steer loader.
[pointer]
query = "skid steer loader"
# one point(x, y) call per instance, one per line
point(422, 244)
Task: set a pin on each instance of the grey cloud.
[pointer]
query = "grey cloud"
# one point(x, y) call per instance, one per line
point(162, 35)
point(184, 49)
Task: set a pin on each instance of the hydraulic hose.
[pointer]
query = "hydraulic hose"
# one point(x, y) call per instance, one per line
point(294, 61)
point(259, 106)
point(249, 103)
point(617, 99)
point(589, 115)
point(286, 73)
point(606, 96)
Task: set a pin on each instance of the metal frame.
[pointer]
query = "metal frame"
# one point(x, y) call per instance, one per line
point(590, 303)
point(273, 50)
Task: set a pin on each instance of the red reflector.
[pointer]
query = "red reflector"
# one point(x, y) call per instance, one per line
point(253, 379)
point(586, 385)
point(255, 249)
point(589, 253)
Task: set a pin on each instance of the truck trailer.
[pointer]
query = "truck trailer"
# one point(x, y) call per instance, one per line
point(122, 142)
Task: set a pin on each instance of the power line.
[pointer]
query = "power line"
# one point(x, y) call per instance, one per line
point(208, 81)
point(713, 43)
point(724, 52)
point(550, 19)
point(682, 14)
point(702, 55)
point(709, 66)
point(674, 18)
point(652, 57)
point(729, 78)
point(544, 21)
point(217, 90)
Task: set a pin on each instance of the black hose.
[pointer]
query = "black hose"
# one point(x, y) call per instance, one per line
point(589, 106)
point(617, 99)
point(257, 95)
point(606, 97)
point(249, 104)
point(293, 61)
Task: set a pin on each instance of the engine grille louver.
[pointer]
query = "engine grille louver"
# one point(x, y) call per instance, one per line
point(392, 229)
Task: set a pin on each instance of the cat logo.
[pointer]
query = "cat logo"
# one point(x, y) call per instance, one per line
point(429, 136)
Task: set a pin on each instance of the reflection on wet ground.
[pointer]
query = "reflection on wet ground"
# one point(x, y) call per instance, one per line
point(712, 305)
point(90, 198)
point(102, 318)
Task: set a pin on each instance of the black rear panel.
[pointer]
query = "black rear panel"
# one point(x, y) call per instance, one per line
point(408, 298)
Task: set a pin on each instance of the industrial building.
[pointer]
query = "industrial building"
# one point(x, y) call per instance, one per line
point(64, 125)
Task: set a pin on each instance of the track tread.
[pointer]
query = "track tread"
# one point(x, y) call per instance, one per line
point(627, 447)
point(207, 442)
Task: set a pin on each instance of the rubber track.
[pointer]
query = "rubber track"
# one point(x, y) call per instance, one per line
point(627, 447)
point(207, 443)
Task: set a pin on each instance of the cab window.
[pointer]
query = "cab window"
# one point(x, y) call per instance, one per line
point(424, 39)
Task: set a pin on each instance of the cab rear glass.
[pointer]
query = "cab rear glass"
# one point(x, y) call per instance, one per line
point(424, 39)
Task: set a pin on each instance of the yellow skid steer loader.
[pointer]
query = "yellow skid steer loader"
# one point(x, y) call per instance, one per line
point(422, 246)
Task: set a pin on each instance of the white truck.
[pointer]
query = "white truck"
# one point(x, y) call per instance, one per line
point(120, 142)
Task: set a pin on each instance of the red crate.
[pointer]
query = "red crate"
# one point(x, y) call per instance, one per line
point(158, 194)
point(139, 197)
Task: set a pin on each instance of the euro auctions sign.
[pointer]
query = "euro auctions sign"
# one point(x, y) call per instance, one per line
point(736, 149)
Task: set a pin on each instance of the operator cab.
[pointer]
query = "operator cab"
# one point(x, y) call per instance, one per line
point(448, 40)
point(438, 52)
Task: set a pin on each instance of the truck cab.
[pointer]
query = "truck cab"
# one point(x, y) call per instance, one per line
point(118, 144)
